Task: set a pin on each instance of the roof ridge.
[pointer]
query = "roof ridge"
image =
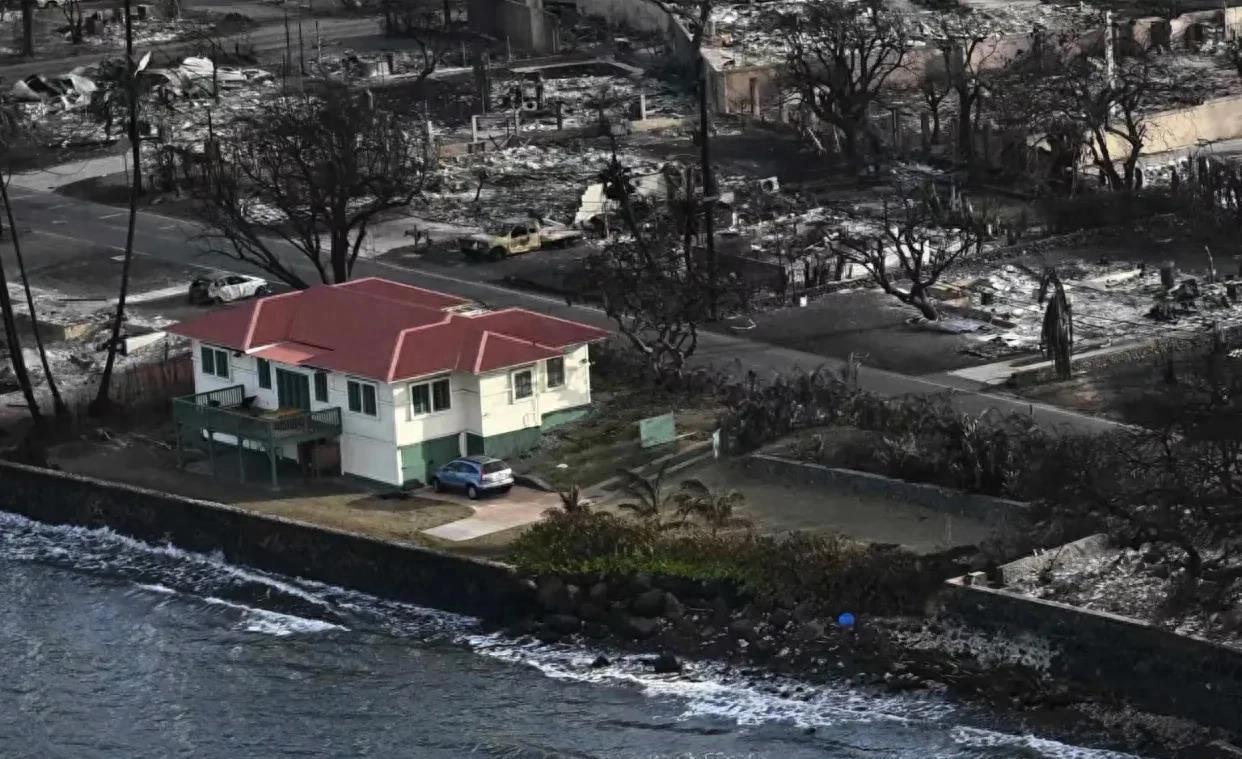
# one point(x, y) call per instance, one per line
point(396, 352)
point(254, 316)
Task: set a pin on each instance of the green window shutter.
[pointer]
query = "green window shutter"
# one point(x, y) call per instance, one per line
point(368, 400)
point(208, 356)
point(321, 387)
point(265, 374)
point(355, 397)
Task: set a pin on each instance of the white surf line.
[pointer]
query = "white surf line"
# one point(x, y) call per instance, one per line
point(113, 215)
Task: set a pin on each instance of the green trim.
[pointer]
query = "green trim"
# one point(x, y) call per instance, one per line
point(475, 444)
point(510, 444)
point(554, 419)
point(420, 459)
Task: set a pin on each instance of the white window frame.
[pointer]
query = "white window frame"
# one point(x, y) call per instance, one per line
point(362, 403)
point(547, 376)
point(513, 396)
point(215, 362)
point(431, 396)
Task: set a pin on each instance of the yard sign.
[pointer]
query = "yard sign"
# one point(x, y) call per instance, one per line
point(657, 430)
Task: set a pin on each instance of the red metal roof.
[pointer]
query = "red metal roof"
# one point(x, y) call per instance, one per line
point(385, 331)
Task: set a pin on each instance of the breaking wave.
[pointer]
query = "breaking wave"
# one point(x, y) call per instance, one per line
point(255, 602)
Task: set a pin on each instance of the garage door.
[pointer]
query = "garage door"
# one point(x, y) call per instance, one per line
point(420, 459)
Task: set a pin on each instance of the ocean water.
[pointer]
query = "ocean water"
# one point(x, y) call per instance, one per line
point(114, 648)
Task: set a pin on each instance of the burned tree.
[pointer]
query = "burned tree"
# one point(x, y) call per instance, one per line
point(15, 138)
point(967, 48)
point(654, 284)
point(1057, 338)
point(915, 242)
point(312, 172)
point(76, 21)
point(1112, 110)
point(430, 34)
point(841, 54)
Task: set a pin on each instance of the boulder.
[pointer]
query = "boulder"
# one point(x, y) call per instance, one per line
point(599, 593)
point(600, 662)
point(591, 612)
point(744, 629)
point(666, 664)
point(812, 630)
point(565, 624)
point(673, 609)
point(649, 603)
point(595, 630)
point(638, 628)
point(551, 593)
point(805, 612)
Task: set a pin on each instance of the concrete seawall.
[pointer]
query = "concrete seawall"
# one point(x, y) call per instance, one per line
point(1153, 669)
point(392, 570)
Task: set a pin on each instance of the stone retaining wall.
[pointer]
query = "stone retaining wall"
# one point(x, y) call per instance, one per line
point(987, 509)
point(392, 570)
point(1154, 669)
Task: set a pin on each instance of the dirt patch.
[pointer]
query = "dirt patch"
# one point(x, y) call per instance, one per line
point(592, 449)
point(1125, 392)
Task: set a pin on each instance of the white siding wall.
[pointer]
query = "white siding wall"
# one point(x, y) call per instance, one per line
point(415, 429)
point(577, 388)
point(368, 444)
point(501, 413)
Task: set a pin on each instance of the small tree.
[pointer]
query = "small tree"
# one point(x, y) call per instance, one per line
point(14, 137)
point(840, 56)
point(1057, 338)
point(430, 34)
point(313, 172)
point(649, 501)
point(915, 244)
point(968, 46)
point(717, 510)
point(73, 15)
point(651, 284)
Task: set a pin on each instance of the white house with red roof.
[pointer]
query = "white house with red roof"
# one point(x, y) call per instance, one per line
point(396, 378)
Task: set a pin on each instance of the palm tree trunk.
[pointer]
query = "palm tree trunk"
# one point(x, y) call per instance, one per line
point(58, 404)
point(15, 346)
point(103, 400)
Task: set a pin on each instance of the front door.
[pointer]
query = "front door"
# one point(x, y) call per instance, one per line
point(292, 390)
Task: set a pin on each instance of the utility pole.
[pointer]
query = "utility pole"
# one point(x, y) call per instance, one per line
point(709, 183)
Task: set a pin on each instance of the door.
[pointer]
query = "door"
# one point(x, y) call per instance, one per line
point(292, 390)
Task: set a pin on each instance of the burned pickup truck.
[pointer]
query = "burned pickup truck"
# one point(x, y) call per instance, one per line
point(516, 237)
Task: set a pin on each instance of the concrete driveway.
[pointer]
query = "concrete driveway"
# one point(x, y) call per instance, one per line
point(520, 506)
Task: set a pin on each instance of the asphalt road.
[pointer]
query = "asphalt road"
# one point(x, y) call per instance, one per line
point(169, 241)
point(265, 39)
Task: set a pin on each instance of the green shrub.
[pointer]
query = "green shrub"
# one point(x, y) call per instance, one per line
point(829, 570)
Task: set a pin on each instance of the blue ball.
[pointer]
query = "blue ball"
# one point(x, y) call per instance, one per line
point(846, 619)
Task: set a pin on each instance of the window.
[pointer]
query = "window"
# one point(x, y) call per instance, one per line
point(556, 372)
point(523, 387)
point(493, 467)
point(215, 362)
point(265, 374)
point(429, 397)
point(321, 387)
point(362, 398)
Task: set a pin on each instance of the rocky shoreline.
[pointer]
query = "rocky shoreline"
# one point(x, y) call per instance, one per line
point(673, 619)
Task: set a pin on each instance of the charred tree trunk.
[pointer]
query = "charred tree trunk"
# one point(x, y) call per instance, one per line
point(103, 399)
point(58, 403)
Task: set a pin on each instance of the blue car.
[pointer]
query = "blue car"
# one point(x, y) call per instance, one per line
point(474, 475)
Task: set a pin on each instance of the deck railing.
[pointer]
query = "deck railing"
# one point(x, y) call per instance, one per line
point(228, 411)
